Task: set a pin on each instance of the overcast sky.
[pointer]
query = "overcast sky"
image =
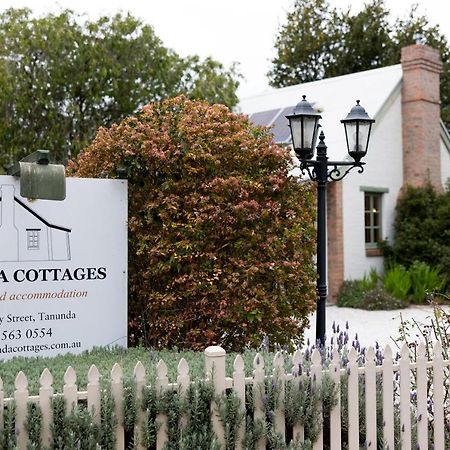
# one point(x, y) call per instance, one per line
point(240, 31)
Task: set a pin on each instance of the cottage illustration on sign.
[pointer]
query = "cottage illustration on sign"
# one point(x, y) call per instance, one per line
point(25, 235)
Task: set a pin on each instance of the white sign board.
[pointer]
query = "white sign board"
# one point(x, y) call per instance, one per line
point(63, 269)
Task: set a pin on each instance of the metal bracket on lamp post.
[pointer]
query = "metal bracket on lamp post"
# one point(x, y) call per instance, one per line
point(310, 166)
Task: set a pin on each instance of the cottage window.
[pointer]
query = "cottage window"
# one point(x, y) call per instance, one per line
point(373, 209)
point(372, 218)
point(33, 239)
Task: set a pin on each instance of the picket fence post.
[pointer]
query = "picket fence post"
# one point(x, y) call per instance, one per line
point(438, 398)
point(278, 384)
point(21, 400)
point(299, 430)
point(371, 399)
point(335, 415)
point(215, 371)
point(353, 400)
point(45, 397)
point(239, 389)
point(93, 394)
point(316, 376)
point(405, 399)
point(422, 412)
point(162, 382)
point(139, 379)
point(258, 395)
point(117, 396)
point(388, 398)
point(183, 381)
point(70, 389)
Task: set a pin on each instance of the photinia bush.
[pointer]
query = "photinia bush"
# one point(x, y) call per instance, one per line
point(221, 237)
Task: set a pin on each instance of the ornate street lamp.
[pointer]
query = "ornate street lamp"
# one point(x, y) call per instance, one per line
point(304, 125)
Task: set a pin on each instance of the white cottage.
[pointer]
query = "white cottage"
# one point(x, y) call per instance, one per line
point(25, 235)
point(409, 145)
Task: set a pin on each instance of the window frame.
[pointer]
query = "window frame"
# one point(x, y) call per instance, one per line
point(33, 238)
point(372, 246)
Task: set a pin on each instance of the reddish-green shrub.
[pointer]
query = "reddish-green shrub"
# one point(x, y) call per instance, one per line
point(221, 237)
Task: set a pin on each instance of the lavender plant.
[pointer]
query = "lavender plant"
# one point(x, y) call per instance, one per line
point(437, 329)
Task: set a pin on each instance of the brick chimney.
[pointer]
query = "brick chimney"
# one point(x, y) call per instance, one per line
point(421, 115)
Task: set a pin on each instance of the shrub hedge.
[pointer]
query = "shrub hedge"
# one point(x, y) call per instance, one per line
point(221, 237)
point(422, 229)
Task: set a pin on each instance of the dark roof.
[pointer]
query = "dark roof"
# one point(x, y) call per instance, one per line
point(35, 214)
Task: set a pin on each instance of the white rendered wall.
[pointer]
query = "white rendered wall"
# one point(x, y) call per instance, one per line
point(445, 163)
point(384, 169)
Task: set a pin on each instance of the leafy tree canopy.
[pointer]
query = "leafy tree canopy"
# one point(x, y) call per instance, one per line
point(221, 237)
point(318, 41)
point(62, 76)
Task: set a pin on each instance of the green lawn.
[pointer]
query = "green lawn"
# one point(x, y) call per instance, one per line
point(104, 359)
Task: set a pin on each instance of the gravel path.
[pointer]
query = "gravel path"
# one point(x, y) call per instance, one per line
point(371, 326)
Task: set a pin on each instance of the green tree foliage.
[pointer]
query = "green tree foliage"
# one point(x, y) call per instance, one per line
point(62, 76)
point(318, 41)
point(221, 237)
point(422, 228)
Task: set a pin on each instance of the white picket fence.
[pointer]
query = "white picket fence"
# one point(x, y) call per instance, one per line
point(392, 373)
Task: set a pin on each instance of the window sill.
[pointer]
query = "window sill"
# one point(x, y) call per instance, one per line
point(374, 251)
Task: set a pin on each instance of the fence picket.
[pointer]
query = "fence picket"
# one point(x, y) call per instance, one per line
point(93, 394)
point(335, 415)
point(258, 395)
point(70, 389)
point(353, 400)
point(141, 420)
point(162, 382)
point(298, 375)
point(388, 398)
point(183, 381)
point(405, 400)
point(21, 400)
point(117, 395)
point(278, 383)
point(239, 389)
point(422, 413)
point(316, 374)
point(45, 397)
point(371, 399)
point(438, 398)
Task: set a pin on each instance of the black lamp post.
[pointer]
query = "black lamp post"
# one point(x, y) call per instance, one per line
point(304, 125)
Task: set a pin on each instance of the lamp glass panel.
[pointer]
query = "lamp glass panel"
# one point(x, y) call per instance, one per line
point(364, 130)
point(309, 131)
point(352, 137)
point(296, 131)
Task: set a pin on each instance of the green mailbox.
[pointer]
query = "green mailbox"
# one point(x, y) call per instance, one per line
point(39, 179)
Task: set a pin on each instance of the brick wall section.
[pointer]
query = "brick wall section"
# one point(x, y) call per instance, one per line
point(421, 115)
point(335, 240)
